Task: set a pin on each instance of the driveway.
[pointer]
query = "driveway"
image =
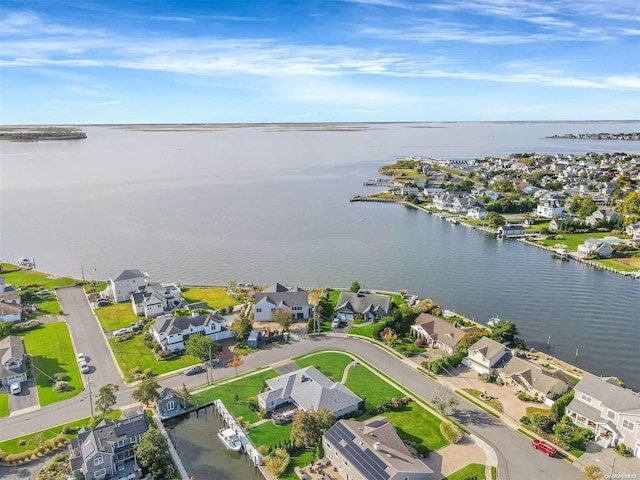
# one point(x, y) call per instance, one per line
point(27, 398)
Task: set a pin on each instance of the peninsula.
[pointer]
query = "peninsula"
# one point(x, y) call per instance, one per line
point(598, 136)
point(35, 134)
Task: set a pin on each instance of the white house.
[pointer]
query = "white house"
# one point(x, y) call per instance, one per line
point(633, 230)
point(609, 410)
point(12, 361)
point(156, 299)
point(595, 246)
point(440, 333)
point(128, 282)
point(172, 332)
point(477, 213)
point(10, 312)
point(483, 355)
point(550, 208)
point(276, 297)
point(404, 191)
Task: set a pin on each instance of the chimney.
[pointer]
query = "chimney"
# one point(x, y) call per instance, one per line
point(195, 314)
point(377, 446)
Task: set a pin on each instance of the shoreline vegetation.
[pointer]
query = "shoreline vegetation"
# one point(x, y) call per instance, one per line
point(35, 134)
point(598, 136)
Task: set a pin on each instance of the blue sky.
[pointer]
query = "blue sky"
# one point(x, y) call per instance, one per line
point(134, 61)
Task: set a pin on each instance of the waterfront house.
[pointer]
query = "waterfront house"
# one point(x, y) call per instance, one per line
point(128, 282)
point(476, 213)
point(602, 214)
point(511, 230)
point(532, 379)
point(308, 389)
point(404, 191)
point(155, 299)
point(369, 306)
point(172, 332)
point(107, 451)
point(294, 300)
point(483, 355)
point(371, 450)
point(10, 312)
point(170, 403)
point(633, 230)
point(556, 224)
point(610, 411)
point(595, 247)
point(550, 208)
point(439, 332)
point(8, 293)
point(13, 367)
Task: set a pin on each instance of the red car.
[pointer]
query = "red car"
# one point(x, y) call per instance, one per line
point(544, 447)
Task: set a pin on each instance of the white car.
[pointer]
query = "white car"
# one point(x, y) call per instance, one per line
point(84, 366)
point(15, 388)
point(81, 358)
point(122, 331)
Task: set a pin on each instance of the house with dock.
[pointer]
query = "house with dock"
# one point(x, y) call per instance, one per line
point(511, 230)
point(439, 332)
point(595, 247)
point(295, 300)
point(172, 332)
point(369, 306)
point(484, 355)
point(533, 380)
point(128, 282)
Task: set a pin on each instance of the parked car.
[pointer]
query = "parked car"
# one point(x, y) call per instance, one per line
point(544, 447)
point(335, 323)
point(103, 302)
point(194, 370)
point(44, 293)
point(137, 326)
point(81, 358)
point(122, 331)
point(15, 388)
point(84, 366)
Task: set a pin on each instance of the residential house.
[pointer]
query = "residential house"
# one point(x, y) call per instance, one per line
point(308, 389)
point(431, 190)
point(8, 293)
point(607, 409)
point(404, 191)
point(13, 365)
point(595, 247)
point(477, 213)
point(442, 334)
point(483, 355)
point(128, 282)
point(170, 403)
point(155, 299)
point(602, 214)
point(550, 208)
point(172, 332)
point(371, 450)
point(10, 312)
point(556, 224)
point(533, 379)
point(369, 306)
point(277, 296)
point(633, 230)
point(511, 230)
point(107, 452)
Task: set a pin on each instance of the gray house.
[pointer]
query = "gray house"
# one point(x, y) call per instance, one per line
point(278, 297)
point(367, 305)
point(308, 389)
point(107, 452)
point(371, 450)
point(12, 361)
point(170, 403)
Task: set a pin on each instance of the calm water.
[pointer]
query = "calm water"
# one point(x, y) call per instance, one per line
point(267, 204)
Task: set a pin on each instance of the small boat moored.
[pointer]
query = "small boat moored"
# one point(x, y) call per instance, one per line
point(230, 439)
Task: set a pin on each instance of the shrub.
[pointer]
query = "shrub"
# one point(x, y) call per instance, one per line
point(60, 377)
point(252, 404)
point(420, 342)
point(422, 450)
point(522, 397)
point(543, 422)
point(450, 432)
point(264, 450)
point(61, 387)
point(278, 462)
point(262, 413)
point(525, 420)
point(622, 450)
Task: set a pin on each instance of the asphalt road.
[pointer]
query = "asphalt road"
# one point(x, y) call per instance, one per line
point(517, 459)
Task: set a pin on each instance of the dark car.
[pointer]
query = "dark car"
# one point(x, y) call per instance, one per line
point(544, 447)
point(194, 370)
point(137, 326)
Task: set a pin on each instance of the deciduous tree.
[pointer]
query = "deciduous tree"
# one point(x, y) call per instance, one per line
point(152, 454)
point(282, 317)
point(444, 401)
point(147, 392)
point(236, 362)
point(201, 347)
point(106, 398)
point(309, 426)
point(242, 328)
point(494, 219)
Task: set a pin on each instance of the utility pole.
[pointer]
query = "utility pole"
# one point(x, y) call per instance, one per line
point(210, 366)
point(90, 399)
point(82, 268)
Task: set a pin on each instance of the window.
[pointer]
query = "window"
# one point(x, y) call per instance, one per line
point(100, 473)
point(171, 405)
point(133, 439)
point(258, 310)
point(121, 443)
point(98, 460)
point(611, 415)
point(628, 425)
point(585, 398)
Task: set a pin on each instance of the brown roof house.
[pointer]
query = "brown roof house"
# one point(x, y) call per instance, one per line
point(533, 380)
point(443, 334)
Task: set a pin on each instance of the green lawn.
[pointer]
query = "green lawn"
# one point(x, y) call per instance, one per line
point(617, 264)
point(572, 240)
point(301, 460)
point(269, 434)
point(395, 297)
point(48, 305)
point(113, 317)
point(215, 297)
point(245, 387)
point(22, 278)
point(52, 352)
point(414, 424)
point(494, 402)
point(333, 297)
point(364, 383)
point(134, 353)
point(331, 364)
point(472, 470)
point(366, 330)
point(4, 405)
point(542, 411)
point(94, 286)
point(407, 348)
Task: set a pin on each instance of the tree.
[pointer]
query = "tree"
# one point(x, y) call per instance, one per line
point(355, 286)
point(236, 362)
point(242, 328)
point(147, 392)
point(503, 331)
point(559, 406)
point(106, 398)
point(389, 337)
point(282, 317)
point(152, 453)
point(587, 207)
point(631, 204)
point(444, 401)
point(188, 399)
point(201, 347)
point(494, 219)
point(277, 462)
point(309, 426)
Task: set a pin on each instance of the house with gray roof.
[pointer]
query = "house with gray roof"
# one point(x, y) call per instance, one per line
point(371, 450)
point(607, 409)
point(276, 297)
point(8, 293)
point(369, 306)
point(128, 282)
point(107, 452)
point(172, 332)
point(170, 403)
point(308, 389)
point(483, 355)
point(533, 379)
point(602, 214)
point(442, 334)
point(155, 299)
point(12, 360)
point(595, 246)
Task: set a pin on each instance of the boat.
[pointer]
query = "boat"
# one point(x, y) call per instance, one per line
point(493, 320)
point(26, 263)
point(230, 439)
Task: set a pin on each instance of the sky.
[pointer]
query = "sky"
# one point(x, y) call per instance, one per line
point(261, 61)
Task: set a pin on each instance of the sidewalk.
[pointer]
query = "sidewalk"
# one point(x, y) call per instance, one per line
point(611, 464)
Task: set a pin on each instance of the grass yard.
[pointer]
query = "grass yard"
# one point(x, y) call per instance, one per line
point(572, 378)
point(269, 434)
point(299, 460)
point(473, 470)
point(330, 364)
point(48, 305)
point(365, 329)
point(541, 411)
point(23, 278)
point(406, 347)
point(333, 297)
point(414, 424)
point(215, 297)
point(4, 405)
point(572, 240)
point(494, 402)
point(118, 315)
point(52, 352)
point(395, 298)
point(134, 353)
point(364, 383)
point(623, 264)
point(244, 387)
